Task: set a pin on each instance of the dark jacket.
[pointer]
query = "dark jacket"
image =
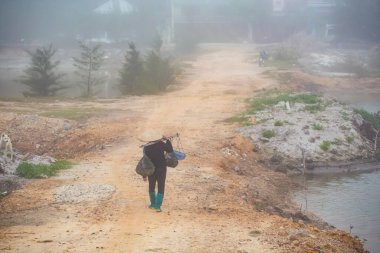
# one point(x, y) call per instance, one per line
point(156, 152)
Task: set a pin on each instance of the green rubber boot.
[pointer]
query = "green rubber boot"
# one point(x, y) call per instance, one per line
point(159, 199)
point(152, 197)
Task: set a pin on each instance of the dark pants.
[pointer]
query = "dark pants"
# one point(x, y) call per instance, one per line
point(158, 176)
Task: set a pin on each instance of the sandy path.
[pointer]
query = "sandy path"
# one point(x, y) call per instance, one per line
point(207, 208)
point(198, 215)
point(214, 91)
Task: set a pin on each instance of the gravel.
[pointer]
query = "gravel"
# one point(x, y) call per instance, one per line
point(76, 193)
point(298, 132)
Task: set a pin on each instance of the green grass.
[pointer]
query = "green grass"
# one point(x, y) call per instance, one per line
point(278, 123)
point(317, 127)
point(29, 170)
point(283, 58)
point(337, 142)
point(240, 119)
point(268, 133)
point(315, 108)
point(344, 115)
point(370, 117)
point(260, 103)
point(325, 145)
point(350, 139)
point(74, 113)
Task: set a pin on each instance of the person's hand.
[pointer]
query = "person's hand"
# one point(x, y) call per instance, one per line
point(144, 178)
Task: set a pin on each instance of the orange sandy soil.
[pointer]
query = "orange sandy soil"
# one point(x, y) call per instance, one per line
point(213, 198)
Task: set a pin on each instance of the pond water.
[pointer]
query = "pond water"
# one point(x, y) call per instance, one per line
point(358, 99)
point(348, 202)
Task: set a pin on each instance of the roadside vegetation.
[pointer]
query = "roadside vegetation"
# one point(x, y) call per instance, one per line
point(271, 98)
point(29, 170)
point(72, 113)
point(146, 75)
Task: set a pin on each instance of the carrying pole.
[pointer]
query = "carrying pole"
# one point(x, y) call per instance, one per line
point(162, 139)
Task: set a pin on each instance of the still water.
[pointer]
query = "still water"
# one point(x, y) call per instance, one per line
point(350, 200)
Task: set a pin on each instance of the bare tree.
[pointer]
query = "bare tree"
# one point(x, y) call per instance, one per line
point(90, 61)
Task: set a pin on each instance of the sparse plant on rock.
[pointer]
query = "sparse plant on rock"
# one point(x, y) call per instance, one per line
point(325, 145)
point(268, 133)
point(278, 123)
point(350, 139)
point(317, 127)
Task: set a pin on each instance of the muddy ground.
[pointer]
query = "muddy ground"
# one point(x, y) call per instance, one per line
point(220, 199)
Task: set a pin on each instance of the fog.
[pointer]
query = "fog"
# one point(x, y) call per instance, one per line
point(182, 25)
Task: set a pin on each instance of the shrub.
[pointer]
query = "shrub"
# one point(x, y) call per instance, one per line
point(278, 123)
point(286, 54)
point(317, 127)
point(146, 76)
point(29, 170)
point(268, 133)
point(370, 117)
point(344, 115)
point(240, 119)
point(350, 139)
point(337, 142)
point(131, 72)
point(315, 108)
point(325, 145)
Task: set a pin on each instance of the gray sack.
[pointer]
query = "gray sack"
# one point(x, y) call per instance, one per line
point(145, 167)
point(171, 160)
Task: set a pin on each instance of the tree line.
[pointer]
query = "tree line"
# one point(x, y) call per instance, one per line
point(138, 74)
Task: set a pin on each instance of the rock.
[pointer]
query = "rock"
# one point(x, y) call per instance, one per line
point(263, 139)
point(298, 233)
point(287, 106)
point(281, 104)
point(67, 126)
point(212, 207)
point(311, 139)
point(296, 243)
point(306, 132)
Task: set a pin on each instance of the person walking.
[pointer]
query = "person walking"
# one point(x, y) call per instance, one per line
point(155, 150)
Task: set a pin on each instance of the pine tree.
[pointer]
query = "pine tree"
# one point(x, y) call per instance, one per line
point(159, 72)
point(40, 76)
point(89, 62)
point(132, 72)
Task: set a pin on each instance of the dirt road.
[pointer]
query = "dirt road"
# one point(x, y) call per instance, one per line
point(206, 208)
